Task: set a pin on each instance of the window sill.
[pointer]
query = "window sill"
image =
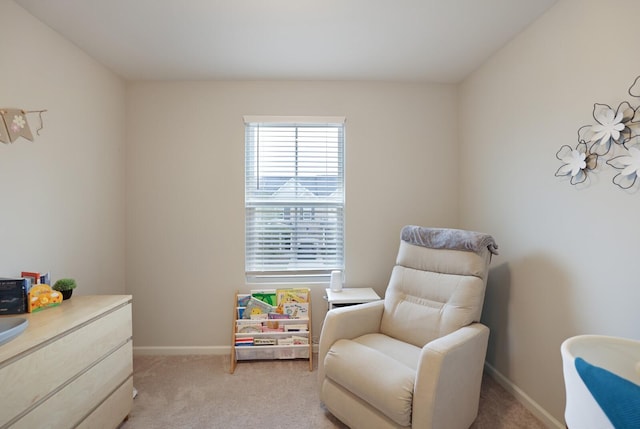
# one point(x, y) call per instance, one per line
point(287, 279)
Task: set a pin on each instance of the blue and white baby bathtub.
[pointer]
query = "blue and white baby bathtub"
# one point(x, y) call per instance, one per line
point(602, 380)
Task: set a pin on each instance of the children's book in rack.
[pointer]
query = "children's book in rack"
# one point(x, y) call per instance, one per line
point(272, 324)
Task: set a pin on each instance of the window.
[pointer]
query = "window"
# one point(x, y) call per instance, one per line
point(294, 197)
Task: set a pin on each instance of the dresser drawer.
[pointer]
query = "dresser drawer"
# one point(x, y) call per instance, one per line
point(46, 369)
point(70, 405)
point(113, 411)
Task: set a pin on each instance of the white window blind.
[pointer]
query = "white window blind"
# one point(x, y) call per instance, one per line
point(294, 196)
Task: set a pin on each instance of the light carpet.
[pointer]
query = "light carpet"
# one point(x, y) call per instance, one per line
point(197, 392)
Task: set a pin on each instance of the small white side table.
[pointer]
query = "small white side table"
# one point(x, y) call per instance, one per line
point(350, 296)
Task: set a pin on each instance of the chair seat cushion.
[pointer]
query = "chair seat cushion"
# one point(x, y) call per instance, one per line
point(368, 367)
point(405, 353)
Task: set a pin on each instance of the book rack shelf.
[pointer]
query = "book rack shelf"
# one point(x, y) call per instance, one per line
point(272, 324)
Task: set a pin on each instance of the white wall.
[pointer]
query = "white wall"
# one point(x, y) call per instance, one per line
point(185, 190)
point(62, 207)
point(569, 255)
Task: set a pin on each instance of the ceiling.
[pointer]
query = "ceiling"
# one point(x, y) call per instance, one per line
point(392, 40)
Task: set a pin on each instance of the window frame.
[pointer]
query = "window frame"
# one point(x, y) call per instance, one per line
point(300, 273)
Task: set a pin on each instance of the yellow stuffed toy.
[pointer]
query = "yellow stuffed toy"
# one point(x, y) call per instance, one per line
point(42, 296)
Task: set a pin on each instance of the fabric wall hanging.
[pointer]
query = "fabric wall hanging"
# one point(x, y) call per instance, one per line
point(14, 124)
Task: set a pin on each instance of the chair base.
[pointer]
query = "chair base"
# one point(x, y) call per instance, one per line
point(351, 410)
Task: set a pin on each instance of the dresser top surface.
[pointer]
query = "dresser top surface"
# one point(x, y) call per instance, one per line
point(51, 322)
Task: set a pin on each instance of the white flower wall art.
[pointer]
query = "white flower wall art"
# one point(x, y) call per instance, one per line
point(614, 135)
point(576, 162)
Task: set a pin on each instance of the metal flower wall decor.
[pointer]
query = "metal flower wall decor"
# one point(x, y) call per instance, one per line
point(616, 135)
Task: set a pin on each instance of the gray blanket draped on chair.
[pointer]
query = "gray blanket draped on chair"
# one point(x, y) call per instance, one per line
point(445, 238)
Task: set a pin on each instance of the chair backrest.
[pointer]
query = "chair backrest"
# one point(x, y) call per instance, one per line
point(437, 285)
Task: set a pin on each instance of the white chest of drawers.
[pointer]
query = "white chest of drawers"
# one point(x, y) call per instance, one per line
point(71, 367)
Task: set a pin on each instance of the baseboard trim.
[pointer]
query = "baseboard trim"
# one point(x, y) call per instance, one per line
point(171, 351)
point(547, 419)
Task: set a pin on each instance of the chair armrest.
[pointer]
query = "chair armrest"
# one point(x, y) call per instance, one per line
point(347, 322)
point(449, 377)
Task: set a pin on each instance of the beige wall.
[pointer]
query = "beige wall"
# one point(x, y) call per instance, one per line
point(62, 207)
point(569, 255)
point(185, 190)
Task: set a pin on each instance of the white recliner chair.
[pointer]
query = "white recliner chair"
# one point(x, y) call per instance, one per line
point(415, 359)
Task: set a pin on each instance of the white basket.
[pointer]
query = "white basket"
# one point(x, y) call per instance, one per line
point(272, 352)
